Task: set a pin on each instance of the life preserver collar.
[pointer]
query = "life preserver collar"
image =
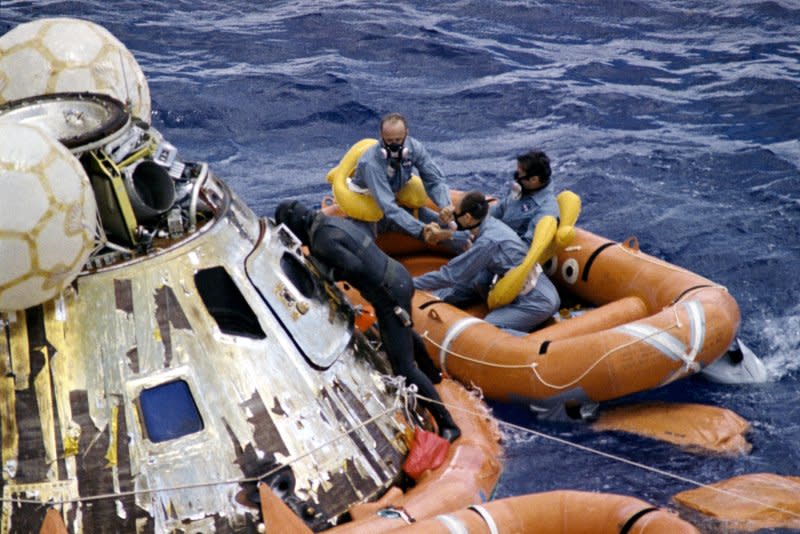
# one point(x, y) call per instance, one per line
point(358, 203)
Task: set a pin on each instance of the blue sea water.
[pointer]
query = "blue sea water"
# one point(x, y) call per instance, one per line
point(677, 121)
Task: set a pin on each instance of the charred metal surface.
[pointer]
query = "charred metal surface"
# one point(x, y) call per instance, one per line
point(168, 306)
point(381, 446)
point(31, 467)
point(245, 459)
point(341, 490)
point(123, 296)
point(169, 314)
point(133, 360)
point(277, 409)
point(357, 437)
point(94, 477)
point(73, 372)
point(28, 518)
point(34, 319)
point(266, 436)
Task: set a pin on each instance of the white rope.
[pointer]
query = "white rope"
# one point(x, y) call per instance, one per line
point(607, 354)
point(532, 366)
point(407, 393)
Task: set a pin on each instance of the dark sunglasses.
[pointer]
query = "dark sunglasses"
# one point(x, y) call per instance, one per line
point(524, 176)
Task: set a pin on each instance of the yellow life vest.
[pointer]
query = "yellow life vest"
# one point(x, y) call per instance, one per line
point(549, 238)
point(361, 205)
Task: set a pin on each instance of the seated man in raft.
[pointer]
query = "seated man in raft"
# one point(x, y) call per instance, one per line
point(386, 167)
point(531, 196)
point(496, 249)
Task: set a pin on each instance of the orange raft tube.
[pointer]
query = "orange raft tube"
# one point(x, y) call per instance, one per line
point(555, 512)
point(649, 323)
point(451, 498)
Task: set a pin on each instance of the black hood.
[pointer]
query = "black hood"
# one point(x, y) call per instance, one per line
point(296, 217)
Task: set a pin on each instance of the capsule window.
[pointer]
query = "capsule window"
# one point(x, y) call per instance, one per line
point(226, 304)
point(169, 411)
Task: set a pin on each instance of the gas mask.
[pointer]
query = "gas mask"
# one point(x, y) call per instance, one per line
point(394, 151)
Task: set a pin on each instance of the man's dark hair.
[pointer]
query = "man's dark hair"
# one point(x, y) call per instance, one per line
point(475, 204)
point(393, 117)
point(536, 163)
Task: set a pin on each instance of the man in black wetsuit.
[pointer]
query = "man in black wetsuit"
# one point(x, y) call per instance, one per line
point(351, 254)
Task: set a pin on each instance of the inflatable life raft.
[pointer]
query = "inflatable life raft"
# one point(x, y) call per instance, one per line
point(555, 512)
point(636, 323)
point(646, 324)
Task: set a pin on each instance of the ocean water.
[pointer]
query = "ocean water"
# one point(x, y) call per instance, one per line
point(677, 121)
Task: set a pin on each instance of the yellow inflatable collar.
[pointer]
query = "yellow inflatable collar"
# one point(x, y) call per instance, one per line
point(363, 206)
point(549, 238)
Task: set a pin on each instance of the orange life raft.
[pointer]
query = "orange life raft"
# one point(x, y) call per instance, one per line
point(554, 512)
point(650, 323)
point(646, 323)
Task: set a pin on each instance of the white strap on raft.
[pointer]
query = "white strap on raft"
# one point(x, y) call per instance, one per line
point(454, 526)
point(487, 518)
point(452, 333)
point(697, 320)
point(671, 346)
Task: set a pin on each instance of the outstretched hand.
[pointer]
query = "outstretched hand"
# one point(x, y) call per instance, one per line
point(432, 234)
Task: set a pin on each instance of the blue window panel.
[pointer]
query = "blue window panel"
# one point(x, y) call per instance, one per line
point(169, 411)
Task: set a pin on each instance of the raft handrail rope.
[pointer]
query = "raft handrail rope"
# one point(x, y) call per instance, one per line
point(532, 366)
point(614, 457)
point(599, 360)
point(102, 496)
point(696, 289)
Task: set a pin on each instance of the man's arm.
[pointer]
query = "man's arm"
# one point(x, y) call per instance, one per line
point(462, 268)
point(376, 181)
